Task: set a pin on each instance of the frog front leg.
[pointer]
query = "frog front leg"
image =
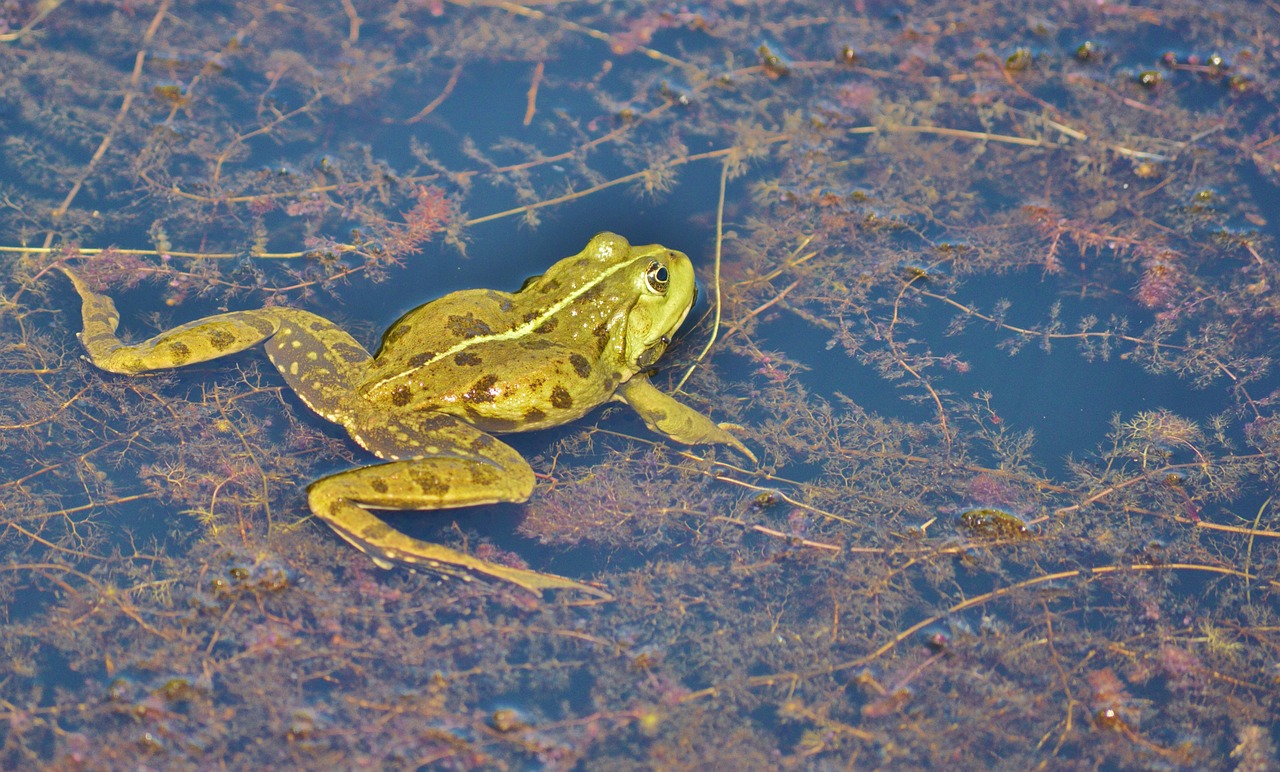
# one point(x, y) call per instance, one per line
point(675, 420)
point(437, 462)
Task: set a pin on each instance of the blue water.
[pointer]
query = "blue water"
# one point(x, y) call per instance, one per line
point(169, 602)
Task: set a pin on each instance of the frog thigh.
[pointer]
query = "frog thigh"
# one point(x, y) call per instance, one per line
point(197, 341)
point(321, 362)
point(441, 463)
point(675, 420)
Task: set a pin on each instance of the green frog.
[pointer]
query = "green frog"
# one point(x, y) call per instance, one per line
point(448, 376)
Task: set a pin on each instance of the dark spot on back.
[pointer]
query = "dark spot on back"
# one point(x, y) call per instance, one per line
point(467, 359)
point(561, 398)
point(378, 485)
point(500, 299)
point(418, 360)
point(580, 365)
point(480, 391)
point(547, 326)
point(400, 395)
point(467, 326)
point(534, 415)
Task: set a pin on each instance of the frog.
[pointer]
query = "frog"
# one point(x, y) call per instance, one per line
point(448, 376)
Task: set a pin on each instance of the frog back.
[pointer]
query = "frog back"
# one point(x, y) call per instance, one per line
point(497, 360)
point(532, 385)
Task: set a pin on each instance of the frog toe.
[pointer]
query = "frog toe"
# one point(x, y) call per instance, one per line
point(734, 442)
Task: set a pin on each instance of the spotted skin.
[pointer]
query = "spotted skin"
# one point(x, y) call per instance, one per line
point(447, 374)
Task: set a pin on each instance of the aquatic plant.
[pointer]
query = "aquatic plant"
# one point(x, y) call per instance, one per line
point(909, 219)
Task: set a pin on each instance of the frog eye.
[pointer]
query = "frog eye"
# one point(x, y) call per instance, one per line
point(656, 277)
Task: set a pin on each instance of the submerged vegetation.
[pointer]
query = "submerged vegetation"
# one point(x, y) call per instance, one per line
point(913, 209)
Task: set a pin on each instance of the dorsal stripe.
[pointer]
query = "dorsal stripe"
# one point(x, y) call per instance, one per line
point(515, 332)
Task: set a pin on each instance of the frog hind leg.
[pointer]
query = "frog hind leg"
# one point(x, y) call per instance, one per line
point(438, 462)
point(320, 361)
point(187, 344)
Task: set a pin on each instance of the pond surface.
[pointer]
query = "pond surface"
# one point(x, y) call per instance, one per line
point(991, 292)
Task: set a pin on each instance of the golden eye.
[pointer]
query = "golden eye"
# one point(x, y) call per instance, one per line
point(656, 277)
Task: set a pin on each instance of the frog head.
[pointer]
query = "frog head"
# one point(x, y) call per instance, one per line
point(663, 289)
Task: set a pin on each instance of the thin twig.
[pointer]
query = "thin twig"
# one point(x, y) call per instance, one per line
point(715, 283)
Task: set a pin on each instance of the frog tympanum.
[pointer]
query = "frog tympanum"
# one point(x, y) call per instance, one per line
point(448, 375)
